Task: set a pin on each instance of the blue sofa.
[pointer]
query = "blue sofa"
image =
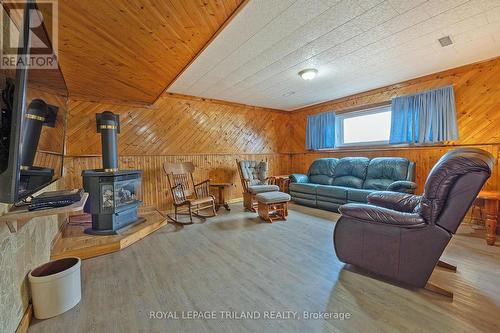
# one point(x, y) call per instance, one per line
point(332, 182)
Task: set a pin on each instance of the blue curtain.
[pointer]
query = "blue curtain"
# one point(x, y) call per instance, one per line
point(320, 131)
point(426, 117)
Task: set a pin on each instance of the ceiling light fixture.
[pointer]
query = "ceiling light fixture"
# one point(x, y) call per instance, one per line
point(308, 74)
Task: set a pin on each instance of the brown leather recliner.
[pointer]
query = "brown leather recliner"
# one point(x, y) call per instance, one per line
point(401, 236)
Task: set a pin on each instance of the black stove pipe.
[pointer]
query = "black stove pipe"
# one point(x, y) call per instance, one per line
point(35, 117)
point(108, 124)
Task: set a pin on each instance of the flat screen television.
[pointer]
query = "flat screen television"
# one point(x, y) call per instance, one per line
point(33, 104)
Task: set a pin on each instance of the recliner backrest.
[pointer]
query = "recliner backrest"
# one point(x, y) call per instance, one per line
point(452, 185)
point(254, 171)
point(350, 172)
point(321, 171)
point(382, 171)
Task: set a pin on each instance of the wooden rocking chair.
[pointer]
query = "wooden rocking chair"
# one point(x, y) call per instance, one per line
point(188, 198)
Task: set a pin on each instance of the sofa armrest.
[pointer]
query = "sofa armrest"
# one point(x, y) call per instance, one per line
point(298, 178)
point(404, 186)
point(402, 202)
point(381, 215)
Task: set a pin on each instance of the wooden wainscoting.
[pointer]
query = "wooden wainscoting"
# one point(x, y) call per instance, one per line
point(424, 157)
point(49, 160)
point(217, 167)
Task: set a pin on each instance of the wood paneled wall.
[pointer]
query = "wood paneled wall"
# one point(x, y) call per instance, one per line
point(217, 167)
point(477, 92)
point(179, 125)
point(212, 134)
point(52, 138)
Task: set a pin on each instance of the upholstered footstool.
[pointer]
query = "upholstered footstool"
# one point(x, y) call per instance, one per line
point(272, 206)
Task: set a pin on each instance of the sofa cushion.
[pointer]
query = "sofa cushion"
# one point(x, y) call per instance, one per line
point(334, 207)
point(383, 171)
point(254, 171)
point(303, 188)
point(321, 179)
point(331, 200)
point(321, 171)
point(350, 172)
point(332, 191)
point(358, 195)
point(300, 195)
point(262, 188)
point(305, 202)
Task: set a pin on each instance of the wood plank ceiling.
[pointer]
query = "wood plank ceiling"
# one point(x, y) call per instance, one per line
point(132, 50)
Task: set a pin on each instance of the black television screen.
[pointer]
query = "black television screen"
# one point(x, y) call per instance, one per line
point(33, 104)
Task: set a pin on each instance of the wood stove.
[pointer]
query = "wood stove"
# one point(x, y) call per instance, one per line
point(114, 195)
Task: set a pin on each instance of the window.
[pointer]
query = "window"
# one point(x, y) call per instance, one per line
point(366, 127)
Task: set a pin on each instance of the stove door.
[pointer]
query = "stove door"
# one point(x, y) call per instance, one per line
point(107, 198)
point(127, 192)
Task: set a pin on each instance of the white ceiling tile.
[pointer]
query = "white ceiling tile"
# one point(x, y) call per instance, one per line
point(470, 36)
point(255, 15)
point(310, 33)
point(465, 25)
point(436, 7)
point(330, 3)
point(376, 16)
point(277, 29)
point(306, 53)
point(474, 7)
point(368, 4)
point(493, 15)
point(356, 46)
point(403, 21)
point(402, 6)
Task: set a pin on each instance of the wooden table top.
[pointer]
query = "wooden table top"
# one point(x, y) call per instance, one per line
point(495, 195)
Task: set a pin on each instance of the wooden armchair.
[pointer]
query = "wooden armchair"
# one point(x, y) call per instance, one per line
point(188, 198)
point(254, 180)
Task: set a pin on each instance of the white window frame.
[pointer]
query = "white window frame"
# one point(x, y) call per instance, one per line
point(339, 126)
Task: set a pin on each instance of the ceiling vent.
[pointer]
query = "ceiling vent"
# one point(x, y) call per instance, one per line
point(445, 41)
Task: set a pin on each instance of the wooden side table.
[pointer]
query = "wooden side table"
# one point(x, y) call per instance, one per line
point(221, 201)
point(282, 181)
point(491, 204)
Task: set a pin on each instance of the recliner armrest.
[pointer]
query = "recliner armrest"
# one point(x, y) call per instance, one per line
point(404, 186)
point(402, 202)
point(298, 178)
point(381, 215)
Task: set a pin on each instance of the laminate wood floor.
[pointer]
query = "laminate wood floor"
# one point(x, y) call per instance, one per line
point(235, 263)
